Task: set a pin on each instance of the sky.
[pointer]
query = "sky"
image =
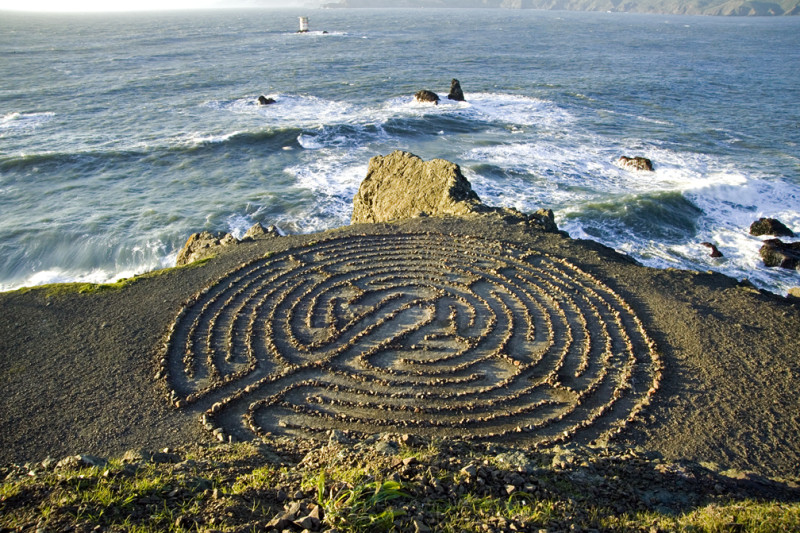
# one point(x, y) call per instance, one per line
point(139, 5)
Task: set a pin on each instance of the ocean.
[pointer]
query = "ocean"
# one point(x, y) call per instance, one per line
point(120, 135)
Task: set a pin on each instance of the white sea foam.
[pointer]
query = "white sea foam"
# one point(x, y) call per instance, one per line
point(291, 110)
point(97, 275)
point(197, 138)
point(16, 121)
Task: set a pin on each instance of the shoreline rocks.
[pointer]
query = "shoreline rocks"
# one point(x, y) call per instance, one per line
point(770, 226)
point(777, 253)
point(456, 93)
point(401, 185)
point(635, 163)
point(202, 245)
point(714, 250)
point(205, 244)
point(426, 97)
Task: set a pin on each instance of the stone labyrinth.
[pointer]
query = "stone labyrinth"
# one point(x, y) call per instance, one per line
point(423, 334)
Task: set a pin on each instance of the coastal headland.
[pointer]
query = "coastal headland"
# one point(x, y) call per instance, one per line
point(452, 320)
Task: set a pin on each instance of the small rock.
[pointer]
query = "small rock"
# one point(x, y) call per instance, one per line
point(425, 96)
point(165, 458)
point(257, 231)
point(794, 292)
point(279, 523)
point(470, 470)
point(420, 526)
point(337, 436)
point(455, 91)
point(635, 163)
point(714, 250)
point(264, 100)
point(317, 512)
point(307, 522)
point(770, 226)
point(387, 447)
point(81, 461)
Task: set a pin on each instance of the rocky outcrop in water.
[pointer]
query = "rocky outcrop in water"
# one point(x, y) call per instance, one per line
point(713, 247)
point(425, 96)
point(770, 226)
point(263, 100)
point(777, 253)
point(635, 163)
point(401, 185)
point(455, 91)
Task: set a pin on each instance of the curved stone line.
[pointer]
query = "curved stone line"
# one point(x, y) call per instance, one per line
point(420, 332)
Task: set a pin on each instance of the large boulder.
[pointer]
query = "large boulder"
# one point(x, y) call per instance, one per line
point(770, 226)
point(263, 100)
point(455, 91)
point(635, 163)
point(425, 96)
point(777, 253)
point(401, 185)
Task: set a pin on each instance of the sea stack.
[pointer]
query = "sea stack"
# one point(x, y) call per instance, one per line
point(455, 91)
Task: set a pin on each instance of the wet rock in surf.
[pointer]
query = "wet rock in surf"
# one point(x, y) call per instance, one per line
point(714, 250)
point(770, 226)
point(455, 91)
point(425, 96)
point(401, 185)
point(635, 163)
point(263, 100)
point(777, 253)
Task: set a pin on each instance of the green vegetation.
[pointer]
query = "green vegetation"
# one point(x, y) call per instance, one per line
point(59, 289)
point(444, 487)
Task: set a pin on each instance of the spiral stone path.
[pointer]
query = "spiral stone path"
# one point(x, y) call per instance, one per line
point(422, 333)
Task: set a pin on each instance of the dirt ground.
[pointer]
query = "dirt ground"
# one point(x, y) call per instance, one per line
point(83, 373)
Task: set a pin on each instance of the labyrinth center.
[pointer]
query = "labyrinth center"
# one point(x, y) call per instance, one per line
point(426, 334)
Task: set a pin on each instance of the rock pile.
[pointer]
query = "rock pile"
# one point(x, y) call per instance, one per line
point(205, 244)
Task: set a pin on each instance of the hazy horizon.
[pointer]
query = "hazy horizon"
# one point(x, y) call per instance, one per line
point(99, 6)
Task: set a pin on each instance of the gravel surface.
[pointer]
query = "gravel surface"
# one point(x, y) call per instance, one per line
point(84, 373)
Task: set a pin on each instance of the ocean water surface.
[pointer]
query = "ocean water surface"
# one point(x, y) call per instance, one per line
point(120, 135)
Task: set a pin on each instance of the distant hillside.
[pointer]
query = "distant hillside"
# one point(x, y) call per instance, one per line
point(677, 7)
